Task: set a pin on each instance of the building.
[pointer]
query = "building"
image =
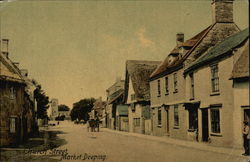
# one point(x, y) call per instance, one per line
point(240, 77)
point(54, 108)
point(207, 84)
point(98, 109)
point(16, 103)
point(122, 118)
point(175, 114)
point(137, 93)
point(114, 97)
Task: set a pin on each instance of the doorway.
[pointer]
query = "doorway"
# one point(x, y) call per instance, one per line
point(167, 120)
point(247, 115)
point(205, 131)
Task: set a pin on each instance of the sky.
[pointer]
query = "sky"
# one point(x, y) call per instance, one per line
point(76, 49)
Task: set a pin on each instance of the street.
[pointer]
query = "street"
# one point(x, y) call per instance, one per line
point(112, 147)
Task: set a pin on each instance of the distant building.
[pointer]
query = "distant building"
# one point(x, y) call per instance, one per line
point(122, 118)
point(114, 97)
point(54, 108)
point(137, 94)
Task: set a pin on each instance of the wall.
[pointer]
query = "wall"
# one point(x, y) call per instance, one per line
point(225, 97)
point(241, 99)
point(168, 99)
point(10, 108)
point(135, 114)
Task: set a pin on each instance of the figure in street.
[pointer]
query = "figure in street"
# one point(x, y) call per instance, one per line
point(246, 138)
point(97, 121)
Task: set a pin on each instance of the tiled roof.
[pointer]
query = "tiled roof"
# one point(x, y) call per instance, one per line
point(241, 67)
point(188, 43)
point(220, 49)
point(139, 72)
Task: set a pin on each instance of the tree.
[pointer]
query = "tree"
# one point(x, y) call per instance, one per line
point(42, 101)
point(82, 108)
point(63, 108)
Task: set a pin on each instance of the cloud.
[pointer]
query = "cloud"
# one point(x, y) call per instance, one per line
point(145, 42)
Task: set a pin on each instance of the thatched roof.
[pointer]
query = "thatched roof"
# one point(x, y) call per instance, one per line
point(241, 67)
point(220, 50)
point(139, 72)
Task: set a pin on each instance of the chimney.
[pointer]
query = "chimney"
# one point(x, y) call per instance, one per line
point(24, 72)
point(222, 11)
point(179, 38)
point(4, 47)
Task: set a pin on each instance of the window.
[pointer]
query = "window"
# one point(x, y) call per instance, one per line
point(175, 83)
point(159, 87)
point(176, 116)
point(166, 85)
point(159, 116)
point(12, 125)
point(191, 86)
point(215, 120)
point(13, 93)
point(215, 78)
point(137, 122)
point(193, 119)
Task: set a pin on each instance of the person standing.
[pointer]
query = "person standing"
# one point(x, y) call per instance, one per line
point(246, 138)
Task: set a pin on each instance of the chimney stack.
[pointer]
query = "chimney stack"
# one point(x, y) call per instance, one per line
point(222, 11)
point(4, 47)
point(179, 38)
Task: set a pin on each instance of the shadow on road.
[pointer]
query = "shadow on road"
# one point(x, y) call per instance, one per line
point(35, 149)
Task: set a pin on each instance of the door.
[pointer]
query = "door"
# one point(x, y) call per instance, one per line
point(205, 125)
point(247, 115)
point(167, 124)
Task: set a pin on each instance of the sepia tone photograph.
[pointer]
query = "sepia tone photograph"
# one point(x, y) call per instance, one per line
point(124, 81)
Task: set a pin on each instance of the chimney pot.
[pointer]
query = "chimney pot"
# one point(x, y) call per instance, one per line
point(179, 38)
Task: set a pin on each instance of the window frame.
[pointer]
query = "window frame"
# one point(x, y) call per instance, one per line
point(159, 117)
point(166, 86)
point(13, 124)
point(215, 123)
point(191, 75)
point(214, 78)
point(158, 88)
point(192, 122)
point(176, 116)
point(175, 78)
